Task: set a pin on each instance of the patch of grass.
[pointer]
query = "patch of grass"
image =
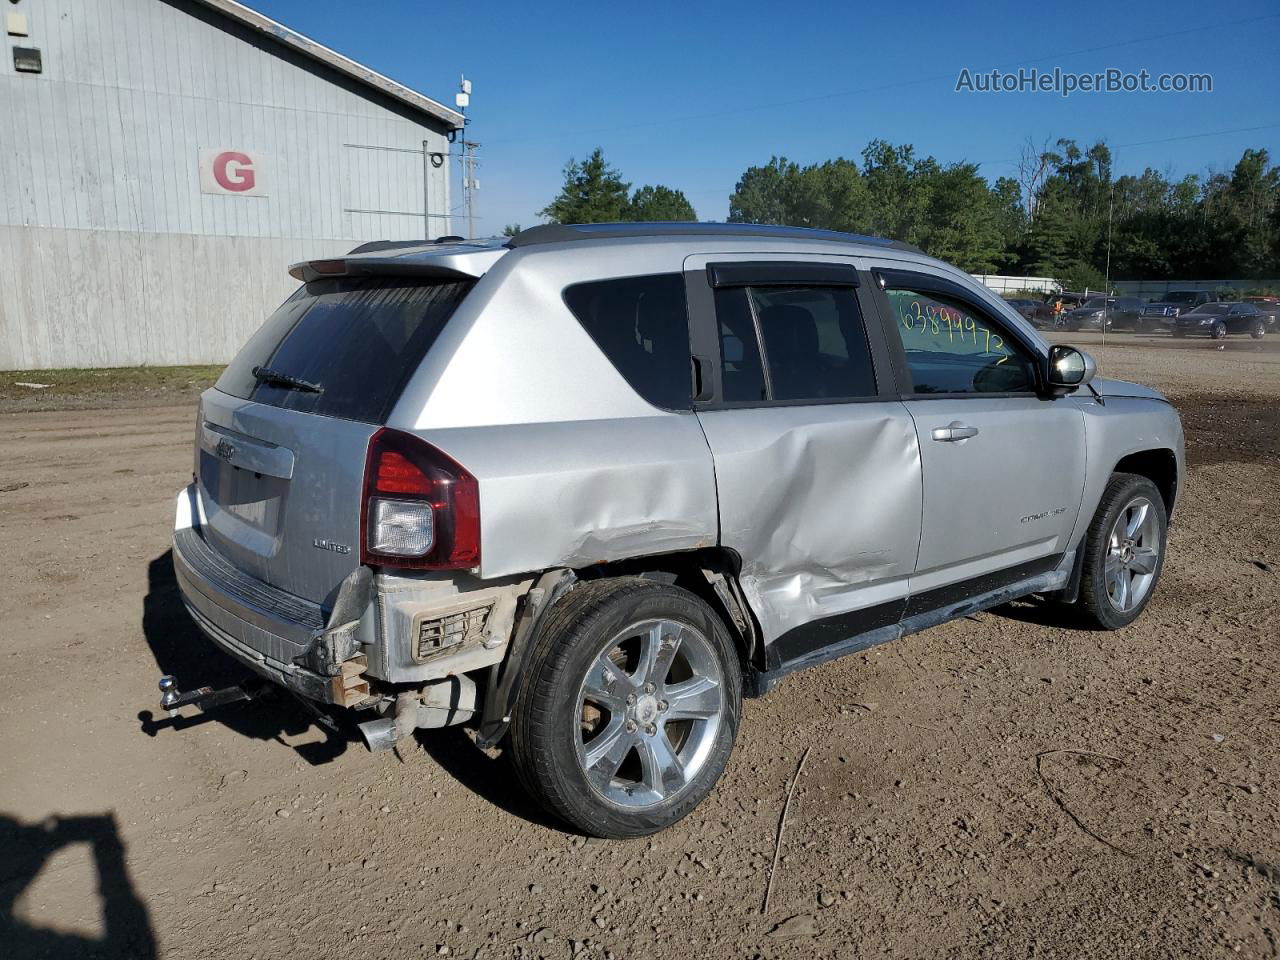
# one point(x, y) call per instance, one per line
point(108, 383)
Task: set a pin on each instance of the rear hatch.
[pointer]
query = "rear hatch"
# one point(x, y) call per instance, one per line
point(282, 437)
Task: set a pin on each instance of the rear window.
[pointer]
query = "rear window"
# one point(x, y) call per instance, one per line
point(356, 340)
point(642, 325)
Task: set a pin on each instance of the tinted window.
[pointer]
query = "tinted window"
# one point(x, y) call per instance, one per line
point(741, 373)
point(815, 345)
point(953, 348)
point(642, 325)
point(357, 340)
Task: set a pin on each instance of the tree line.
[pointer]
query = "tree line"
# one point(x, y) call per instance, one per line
point(1051, 219)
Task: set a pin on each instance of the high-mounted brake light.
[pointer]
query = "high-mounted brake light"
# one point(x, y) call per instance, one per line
point(421, 508)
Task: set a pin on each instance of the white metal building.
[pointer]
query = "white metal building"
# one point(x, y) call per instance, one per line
point(162, 162)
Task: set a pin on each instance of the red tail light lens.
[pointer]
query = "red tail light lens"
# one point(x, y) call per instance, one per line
point(398, 474)
point(421, 508)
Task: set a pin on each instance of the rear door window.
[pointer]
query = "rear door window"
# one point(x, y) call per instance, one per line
point(642, 325)
point(351, 345)
point(815, 344)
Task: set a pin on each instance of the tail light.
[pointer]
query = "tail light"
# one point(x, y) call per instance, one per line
point(421, 508)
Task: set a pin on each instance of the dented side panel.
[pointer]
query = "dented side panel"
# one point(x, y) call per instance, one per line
point(587, 492)
point(822, 503)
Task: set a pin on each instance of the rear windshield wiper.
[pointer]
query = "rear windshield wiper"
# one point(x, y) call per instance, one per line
point(278, 379)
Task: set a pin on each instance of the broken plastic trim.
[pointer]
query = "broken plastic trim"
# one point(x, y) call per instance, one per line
point(500, 691)
point(337, 643)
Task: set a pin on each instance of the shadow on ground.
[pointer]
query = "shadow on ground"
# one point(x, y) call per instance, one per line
point(182, 650)
point(1044, 613)
point(28, 847)
point(493, 779)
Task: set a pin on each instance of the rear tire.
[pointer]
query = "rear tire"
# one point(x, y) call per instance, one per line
point(1259, 330)
point(1123, 552)
point(628, 707)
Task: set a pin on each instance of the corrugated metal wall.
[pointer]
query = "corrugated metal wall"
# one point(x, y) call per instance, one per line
point(109, 253)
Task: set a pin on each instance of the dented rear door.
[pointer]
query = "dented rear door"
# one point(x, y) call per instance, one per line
point(817, 464)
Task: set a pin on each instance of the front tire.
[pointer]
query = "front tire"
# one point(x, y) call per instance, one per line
point(1219, 331)
point(628, 707)
point(1123, 552)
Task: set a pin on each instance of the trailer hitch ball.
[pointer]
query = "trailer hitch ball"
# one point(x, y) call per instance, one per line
point(169, 693)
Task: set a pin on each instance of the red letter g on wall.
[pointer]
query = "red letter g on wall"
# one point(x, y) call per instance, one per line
point(233, 171)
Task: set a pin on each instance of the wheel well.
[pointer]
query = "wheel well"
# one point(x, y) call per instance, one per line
point(1158, 466)
point(697, 571)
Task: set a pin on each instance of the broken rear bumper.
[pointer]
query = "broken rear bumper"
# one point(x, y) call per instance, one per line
point(281, 637)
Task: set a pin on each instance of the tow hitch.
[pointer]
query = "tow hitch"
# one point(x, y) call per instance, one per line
point(206, 698)
point(172, 699)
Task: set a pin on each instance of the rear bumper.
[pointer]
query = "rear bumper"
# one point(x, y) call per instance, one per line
point(277, 635)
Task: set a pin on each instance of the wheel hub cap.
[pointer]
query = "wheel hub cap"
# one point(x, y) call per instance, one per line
point(1133, 554)
point(649, 709)
point(645, 711)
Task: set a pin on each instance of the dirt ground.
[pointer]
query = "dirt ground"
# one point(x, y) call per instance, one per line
point(997, 787)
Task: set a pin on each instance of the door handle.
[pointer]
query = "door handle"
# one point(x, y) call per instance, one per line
point(953, 432)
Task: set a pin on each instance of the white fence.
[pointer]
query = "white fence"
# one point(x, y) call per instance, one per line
point(1001, 284)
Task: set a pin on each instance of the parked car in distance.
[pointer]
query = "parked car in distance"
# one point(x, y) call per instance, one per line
point(1035, 312)
point(1120, 313)
point(588, 487)
point(1218, 320)
point(1268, 307)
point(1069, 300)
point(1176, 302)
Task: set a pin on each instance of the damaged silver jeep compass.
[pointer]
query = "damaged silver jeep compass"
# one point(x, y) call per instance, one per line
point(587, 488)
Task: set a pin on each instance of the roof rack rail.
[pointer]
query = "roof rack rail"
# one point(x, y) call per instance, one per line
point(568, 232)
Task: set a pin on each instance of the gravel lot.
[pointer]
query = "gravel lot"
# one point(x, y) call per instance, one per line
point(1000, 786)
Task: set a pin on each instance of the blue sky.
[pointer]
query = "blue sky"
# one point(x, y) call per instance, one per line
point(690, 95)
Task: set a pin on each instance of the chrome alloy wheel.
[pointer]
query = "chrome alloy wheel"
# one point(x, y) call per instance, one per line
point(649, 707)
point(1133, 553)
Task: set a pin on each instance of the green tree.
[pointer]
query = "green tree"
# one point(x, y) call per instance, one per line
point(960, 219)
point(1011, 222)
point(657, 204)
point(1221, 225)
point(1081, 276)
point(593, 192)
point(831, 195)
point(763, 193)
point(511, 229)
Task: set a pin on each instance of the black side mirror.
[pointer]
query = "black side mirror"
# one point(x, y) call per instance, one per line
point(1067, 368)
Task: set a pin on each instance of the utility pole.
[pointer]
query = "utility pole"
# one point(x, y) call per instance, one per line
point(426, 190)
point(1106, 293)
point(470, 184)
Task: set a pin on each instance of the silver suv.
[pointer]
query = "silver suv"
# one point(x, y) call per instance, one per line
point(587, 488)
